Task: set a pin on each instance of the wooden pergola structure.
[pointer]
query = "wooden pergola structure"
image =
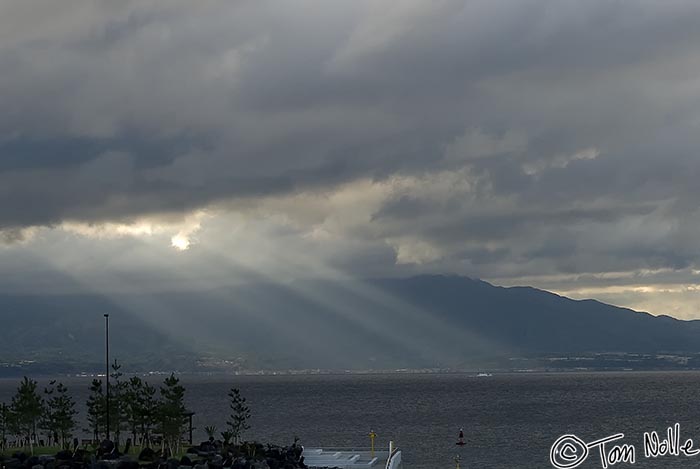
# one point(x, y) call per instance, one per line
point(189, 415)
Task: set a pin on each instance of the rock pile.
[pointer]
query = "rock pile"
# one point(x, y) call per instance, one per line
point(207, 455)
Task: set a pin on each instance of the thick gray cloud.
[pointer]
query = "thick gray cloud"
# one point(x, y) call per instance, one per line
point(513, 141)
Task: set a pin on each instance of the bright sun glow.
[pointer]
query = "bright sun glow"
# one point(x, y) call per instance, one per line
point(180, 242)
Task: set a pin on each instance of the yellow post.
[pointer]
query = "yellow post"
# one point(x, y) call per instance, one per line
point(372, 436)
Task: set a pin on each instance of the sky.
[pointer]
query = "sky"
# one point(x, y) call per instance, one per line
point(159, 145)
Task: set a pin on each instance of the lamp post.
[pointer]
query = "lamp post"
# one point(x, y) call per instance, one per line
point(107, 368)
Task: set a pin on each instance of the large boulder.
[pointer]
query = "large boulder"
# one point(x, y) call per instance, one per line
point(107, 446)
point(128, 465)
point(100, 465)
point(107, 450)
point(207, 446)
point(147, 455)
point(64, 455)
point(12, 463)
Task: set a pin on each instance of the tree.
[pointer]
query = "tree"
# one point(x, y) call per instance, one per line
point(132, 405)
point(27, 408)
point(149, 412)
point(140, 408)
point(211, 432)
point(240, 414)
point(117, 403)
point(226, 436)
point(171, 412)
point(59, 414)
point(96, 407)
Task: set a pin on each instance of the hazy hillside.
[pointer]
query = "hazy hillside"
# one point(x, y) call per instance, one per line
point(532, 320)
point(424, 321)
point(68, 332)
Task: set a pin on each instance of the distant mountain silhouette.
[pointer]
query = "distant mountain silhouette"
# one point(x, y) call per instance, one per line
point(423, 321)
point(530, 320)
point(66, 333)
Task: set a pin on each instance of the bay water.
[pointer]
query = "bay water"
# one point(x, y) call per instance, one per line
point(509, 420)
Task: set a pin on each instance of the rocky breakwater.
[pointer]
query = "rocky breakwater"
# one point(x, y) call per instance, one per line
point(207, 455)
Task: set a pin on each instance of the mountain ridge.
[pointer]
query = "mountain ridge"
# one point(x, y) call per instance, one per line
point(427, 321)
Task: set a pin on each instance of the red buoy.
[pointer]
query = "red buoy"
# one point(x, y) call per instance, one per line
point(461, 442)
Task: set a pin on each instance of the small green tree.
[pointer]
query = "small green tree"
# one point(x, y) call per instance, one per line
point(140, 408)
point(117, 402)
point(211, 432)
point(240, 414)
point(58, 419)
point(148, 417)
point(226, 436)
point(171, 412)
point(96, 407)
point(132, 405)
point(27, 408)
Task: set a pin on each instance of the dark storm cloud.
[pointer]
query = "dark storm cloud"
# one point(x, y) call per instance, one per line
point(526, 137)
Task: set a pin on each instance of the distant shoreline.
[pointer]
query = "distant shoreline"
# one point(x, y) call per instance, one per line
point(336, 373)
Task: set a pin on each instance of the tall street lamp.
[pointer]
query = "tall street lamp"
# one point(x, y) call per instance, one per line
point(107, 367)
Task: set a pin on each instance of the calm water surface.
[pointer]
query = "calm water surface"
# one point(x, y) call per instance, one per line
point(509, 420)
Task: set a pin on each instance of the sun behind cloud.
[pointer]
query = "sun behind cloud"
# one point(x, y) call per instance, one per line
point(180, 242)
